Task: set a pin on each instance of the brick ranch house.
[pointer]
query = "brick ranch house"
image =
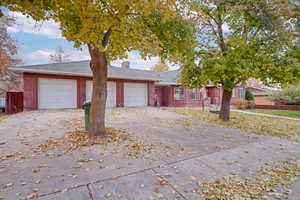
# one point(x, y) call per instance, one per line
point(69, 85)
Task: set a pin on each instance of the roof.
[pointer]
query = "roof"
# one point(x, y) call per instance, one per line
point(257, 91)
point(169, 77)
point(82, 68)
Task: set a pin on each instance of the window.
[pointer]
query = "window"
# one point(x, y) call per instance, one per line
point(241, 93)
point(193, 94)
point(178, 93)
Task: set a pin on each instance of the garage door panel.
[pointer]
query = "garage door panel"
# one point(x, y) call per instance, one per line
point(135, 94)
point(57, 93)
point(111, 93)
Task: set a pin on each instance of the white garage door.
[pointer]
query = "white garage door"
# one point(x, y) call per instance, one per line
point(111, 93)
point(135, 94)
point(57, 93)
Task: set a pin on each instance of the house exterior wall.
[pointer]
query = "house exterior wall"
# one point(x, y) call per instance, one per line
point(120, 93)
point(31, 89)
point(215, 94)
point(262, 100)
point(81, 92)
point(151, 93)
point(165, 96)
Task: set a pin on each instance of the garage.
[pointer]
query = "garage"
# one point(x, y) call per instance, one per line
point(111, 93)
point(135, 94)
point(57, 93)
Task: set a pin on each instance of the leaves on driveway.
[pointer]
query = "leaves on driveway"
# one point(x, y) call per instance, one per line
point(255, 188)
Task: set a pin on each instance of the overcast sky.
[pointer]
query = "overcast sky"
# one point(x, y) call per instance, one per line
point(38, 40)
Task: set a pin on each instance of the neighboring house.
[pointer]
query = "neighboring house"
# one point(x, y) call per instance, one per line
point(69, 85)
point(261, 95)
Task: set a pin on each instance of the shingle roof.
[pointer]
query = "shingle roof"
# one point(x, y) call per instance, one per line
point(260, 91)
point(82, 68)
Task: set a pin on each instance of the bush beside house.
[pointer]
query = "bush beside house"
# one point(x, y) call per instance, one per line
point(289, 96)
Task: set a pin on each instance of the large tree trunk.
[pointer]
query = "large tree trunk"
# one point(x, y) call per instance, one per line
point(225, 107)
point(97, 113)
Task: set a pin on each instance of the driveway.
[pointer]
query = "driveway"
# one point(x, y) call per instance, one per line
point(167, 157)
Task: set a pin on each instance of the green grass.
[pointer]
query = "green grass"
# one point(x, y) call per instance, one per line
point(286, 113)
point(262, 125)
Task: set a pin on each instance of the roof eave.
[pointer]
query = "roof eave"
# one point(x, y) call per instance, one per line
point(76, 74)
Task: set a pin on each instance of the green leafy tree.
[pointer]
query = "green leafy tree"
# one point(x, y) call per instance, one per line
point(243, 39)
point(110, 29)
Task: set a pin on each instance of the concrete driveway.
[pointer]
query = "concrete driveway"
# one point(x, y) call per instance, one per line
point(180, 154)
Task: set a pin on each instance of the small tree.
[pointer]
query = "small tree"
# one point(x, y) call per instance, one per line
point(249, 96)
point(110, 29)
point(243, 39)
point(59, 56)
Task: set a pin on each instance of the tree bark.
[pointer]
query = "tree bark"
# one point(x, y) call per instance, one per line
point(98, 66)
point(225, 107)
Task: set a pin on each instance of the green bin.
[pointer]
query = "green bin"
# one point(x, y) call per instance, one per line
point(87, 108)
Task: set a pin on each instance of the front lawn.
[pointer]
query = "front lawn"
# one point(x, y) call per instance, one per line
point(286, 113)
point(262, 125)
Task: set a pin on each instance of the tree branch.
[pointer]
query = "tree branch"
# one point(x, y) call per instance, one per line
point(106, 38)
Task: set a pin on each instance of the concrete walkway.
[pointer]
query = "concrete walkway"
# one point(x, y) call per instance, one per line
point(265, 115)
point(182, 155)
point(180, 179)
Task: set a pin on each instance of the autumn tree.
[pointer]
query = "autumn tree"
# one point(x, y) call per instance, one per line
point(160, 67)
point(243, 39)
point(8, 52)
point(59, 56)
point(111, 29)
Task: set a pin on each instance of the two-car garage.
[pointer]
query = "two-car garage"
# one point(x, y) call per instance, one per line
point(55, 93)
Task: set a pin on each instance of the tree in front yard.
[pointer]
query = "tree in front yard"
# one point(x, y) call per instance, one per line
point(243, 39)
point(110, 29)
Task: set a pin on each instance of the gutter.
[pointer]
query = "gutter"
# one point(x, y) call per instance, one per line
point(40, 71)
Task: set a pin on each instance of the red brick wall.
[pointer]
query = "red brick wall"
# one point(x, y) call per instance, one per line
point(166, 97)
point(216, 95)
point(81, 90)
point(278, 107)
point(151, 93)
point(30, 91)
point(120, 93)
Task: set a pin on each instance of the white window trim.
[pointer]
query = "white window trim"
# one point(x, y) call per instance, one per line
point(175, 97)
point(196, 96)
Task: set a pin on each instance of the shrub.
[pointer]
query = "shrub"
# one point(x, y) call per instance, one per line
point(251, 105)
point(249, 96)
point(241, 104)
point(290, 95)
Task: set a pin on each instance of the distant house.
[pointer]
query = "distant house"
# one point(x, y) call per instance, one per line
point(261, 95)
point(69, 85)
